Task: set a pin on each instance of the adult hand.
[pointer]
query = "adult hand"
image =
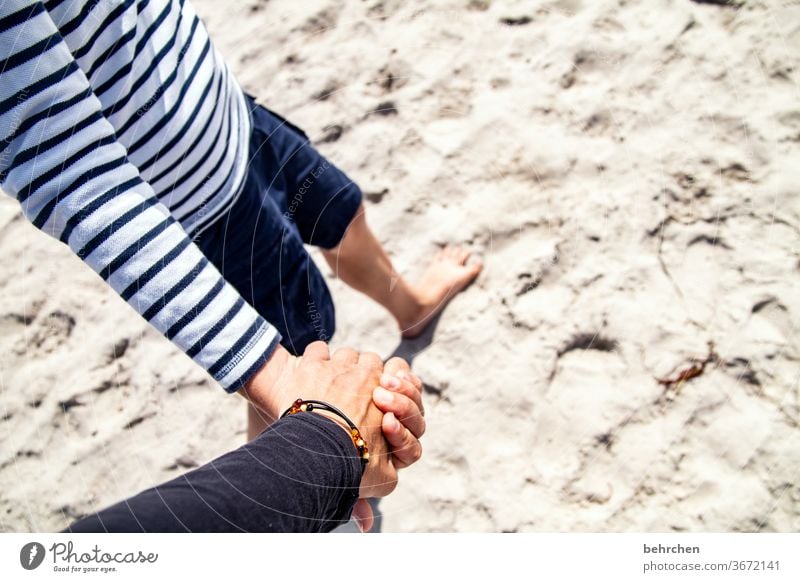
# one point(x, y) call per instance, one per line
point(345, 379)
point(273, 388)
point(284, 379)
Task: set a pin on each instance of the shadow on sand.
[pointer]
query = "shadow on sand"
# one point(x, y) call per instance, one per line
point(407, 349)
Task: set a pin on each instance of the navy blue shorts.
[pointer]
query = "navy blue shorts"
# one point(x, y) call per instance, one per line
point(292, 196)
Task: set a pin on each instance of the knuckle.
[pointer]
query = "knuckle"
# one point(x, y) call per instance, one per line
point(317, 349)
point(397, 363)
point(372, 360)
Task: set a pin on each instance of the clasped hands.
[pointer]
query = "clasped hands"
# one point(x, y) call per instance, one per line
point(383, 400)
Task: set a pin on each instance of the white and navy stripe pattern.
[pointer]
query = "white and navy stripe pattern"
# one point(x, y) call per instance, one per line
point(122, 133)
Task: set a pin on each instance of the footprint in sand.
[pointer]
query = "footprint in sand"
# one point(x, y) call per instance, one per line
point(51, 332)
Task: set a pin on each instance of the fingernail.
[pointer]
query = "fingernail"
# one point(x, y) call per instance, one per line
point(382, 396)
point(389, 381)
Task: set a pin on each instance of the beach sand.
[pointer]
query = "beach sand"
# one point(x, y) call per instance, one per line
point(628, 172)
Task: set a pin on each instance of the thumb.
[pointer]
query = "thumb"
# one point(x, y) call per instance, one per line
point(362, 514)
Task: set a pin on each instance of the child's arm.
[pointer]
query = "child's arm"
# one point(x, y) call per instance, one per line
point(60, 158)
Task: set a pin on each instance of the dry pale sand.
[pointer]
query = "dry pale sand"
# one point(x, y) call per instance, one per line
point(628, 170)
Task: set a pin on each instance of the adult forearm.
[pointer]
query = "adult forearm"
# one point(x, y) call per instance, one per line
point(300, 475)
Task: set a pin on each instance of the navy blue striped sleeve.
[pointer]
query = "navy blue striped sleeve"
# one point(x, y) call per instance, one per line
point(60, 158)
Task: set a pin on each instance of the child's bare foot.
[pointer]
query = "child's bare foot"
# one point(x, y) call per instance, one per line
point(447, 275)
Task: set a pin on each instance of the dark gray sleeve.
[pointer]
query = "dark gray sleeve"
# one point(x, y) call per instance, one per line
point(300, 475)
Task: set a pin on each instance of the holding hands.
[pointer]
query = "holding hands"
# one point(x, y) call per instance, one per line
point(383, 400)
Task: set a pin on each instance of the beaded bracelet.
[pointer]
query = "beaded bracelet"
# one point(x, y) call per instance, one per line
point(301, 405)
